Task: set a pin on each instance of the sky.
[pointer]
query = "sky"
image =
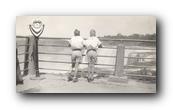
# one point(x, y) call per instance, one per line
point(63, 26)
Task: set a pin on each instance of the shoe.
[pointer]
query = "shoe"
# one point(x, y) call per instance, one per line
point(90, 79)
point(19, 82)
point(70, 78)
point(75, 79)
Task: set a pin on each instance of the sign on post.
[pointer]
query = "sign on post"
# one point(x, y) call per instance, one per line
point(36, 29)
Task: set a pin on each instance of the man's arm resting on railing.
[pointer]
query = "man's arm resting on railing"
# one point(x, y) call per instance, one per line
point(100, 46)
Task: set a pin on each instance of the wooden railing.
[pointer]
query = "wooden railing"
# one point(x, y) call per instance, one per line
point(27, 46)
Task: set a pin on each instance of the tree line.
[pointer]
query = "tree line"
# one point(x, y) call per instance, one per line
point(132, 36)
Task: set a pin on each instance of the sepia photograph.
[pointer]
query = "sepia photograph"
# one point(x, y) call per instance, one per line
point(86, 54)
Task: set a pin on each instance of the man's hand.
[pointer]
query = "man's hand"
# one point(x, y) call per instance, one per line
point(100, 46)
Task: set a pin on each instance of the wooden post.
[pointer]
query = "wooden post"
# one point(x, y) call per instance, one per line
point(19, 79)
point(36, 29)
point(119, 66)
point(26, 59)
point(119, 75)
point(34, 64)
point(34, 56)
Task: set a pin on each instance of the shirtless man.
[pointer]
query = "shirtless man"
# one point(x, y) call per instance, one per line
point(76, 44)
point(92, 44)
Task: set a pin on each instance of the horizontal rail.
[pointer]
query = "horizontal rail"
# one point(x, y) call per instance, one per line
point(23, 36)
point(70, 54)
point(128, 40)
point(52, 45)
point(54, 69)
point(24, 70)
point(136, 66)
point(102, 39)
point(104, 47)
point(80, 70)
point(23, 53)
point(23, 45)
point(97, 56)
point(139, 58)
point(55, 38)
point(130, 48)
point(54, 53)
point(70, 62)
point(135, 75)
point(23, 62)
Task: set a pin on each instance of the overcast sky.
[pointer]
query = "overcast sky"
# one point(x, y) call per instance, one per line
point(63, 26)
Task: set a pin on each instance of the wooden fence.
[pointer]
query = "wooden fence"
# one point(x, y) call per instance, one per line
point(124, 67)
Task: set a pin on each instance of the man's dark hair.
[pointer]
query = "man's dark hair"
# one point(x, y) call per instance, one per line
point(92, 32)
point(76, 32)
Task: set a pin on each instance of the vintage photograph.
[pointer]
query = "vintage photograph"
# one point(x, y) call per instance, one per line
point(86, 54)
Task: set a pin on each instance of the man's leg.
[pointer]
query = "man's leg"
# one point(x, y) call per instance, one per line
point(93, 61)
point(78, 59)
point(70, 75)
point(76, 70)
point(92, 71)
point(89, 69)
point(72, 67)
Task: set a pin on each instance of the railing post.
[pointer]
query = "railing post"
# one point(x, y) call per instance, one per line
point(34, 56)
point(36, 29)
point(119, 66)
point(26, 59)
point(19, 79)
point(119, 75)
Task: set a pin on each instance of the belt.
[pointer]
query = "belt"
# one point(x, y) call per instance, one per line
point(91, 49)
point(76, 49)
